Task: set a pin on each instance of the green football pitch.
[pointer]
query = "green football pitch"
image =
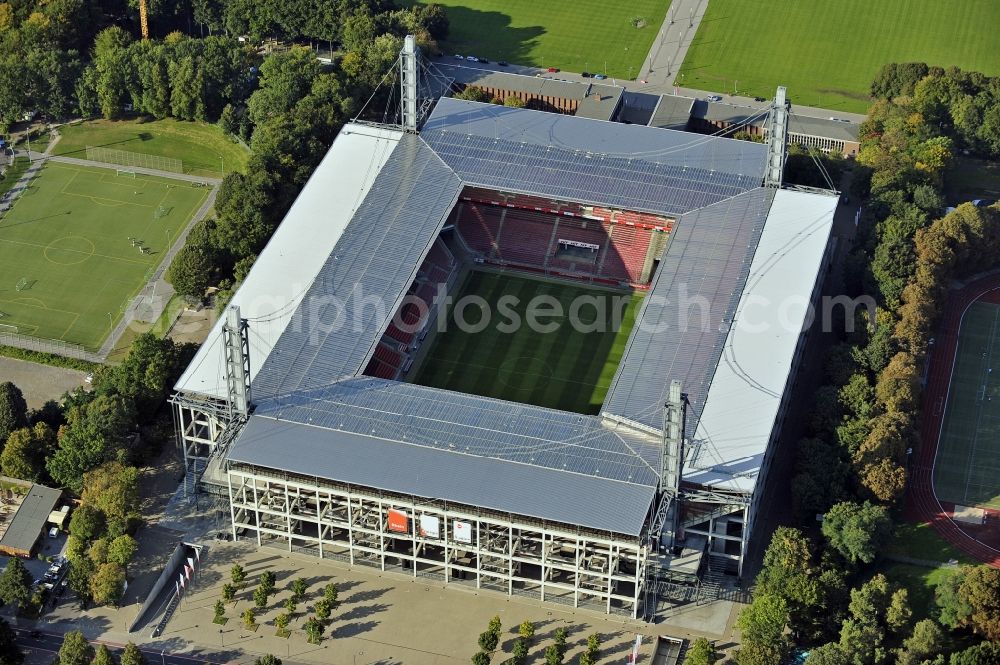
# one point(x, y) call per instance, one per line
point(967, 468)
point(575, 35)
point(67, 263)
point(828, 52)
point(568, 368)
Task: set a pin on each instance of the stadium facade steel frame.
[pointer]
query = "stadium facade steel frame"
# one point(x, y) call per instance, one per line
point(438, 540)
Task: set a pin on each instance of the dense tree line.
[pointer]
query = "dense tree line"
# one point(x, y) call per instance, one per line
point(963, 105)
point(852, 468)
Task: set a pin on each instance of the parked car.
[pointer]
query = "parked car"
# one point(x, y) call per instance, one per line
point(485, 61)
point(759, 99)
point(502, 63)
point(459, 57)
point(714, 98)
point(472, 58)
point(600, 77)
point(552, 70)
point(586, 75)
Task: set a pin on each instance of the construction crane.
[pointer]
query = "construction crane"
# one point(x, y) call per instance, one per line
point(143, 19)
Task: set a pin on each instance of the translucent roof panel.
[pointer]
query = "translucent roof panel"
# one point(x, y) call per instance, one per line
point(684, 320)
point(510, 487)
point(591, 161)
point(741, 409)
point(473, 425)
point(347, 306)
point(285, 268)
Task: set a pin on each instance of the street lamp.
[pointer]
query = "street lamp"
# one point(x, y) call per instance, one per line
point(222, 637)
point(163, 660)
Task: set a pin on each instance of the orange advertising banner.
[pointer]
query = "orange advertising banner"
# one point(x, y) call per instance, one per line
point(398, 521)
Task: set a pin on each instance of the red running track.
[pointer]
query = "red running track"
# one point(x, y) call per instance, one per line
point(980, 542)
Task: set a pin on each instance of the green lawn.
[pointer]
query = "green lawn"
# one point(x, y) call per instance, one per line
point(68, 237)
point(827, 52)
point(921, 541)
point(967, 468)
point(13, 173)
point(575, 35)
point(970, 178)
point(202, 147)
point(565, 368)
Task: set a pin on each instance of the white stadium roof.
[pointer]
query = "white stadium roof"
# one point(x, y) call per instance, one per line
point(741, 410)
point(296, 252)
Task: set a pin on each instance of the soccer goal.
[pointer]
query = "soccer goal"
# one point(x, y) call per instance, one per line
point(161, 212)
point(123, 173)
point(23, 284)
point(8, 328)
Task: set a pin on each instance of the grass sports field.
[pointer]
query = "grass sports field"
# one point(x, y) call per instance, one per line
point(67, 236)
point(575, 35)
point(565, 369)
point(202, 147)
point(967, 468)
point(828, 52)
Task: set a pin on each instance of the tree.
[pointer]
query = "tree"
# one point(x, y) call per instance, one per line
point(79, 577)
point(122, 549)
point(314, 630)
point(10, 652)
point(483, 658)
point(322, 609)
point(13, 410)
point(113, 488)
point(520, 651)
point(220, 611)
point(926, 642)
point(985, 653)
point(191, 272)
point(762, 625)
point(108, 584)
point(24, 455)
point(75, 649)
point(862, 641)
point(526, 630)
point(132, 656)
point(857, 531)
point(228, 592)
point(98, 551)
point(330, 594)
point(268, 659)
point(828, 654)
point(473, 94)
point(103, 656)
point(299, 587)
point(147, 373)
point(15, 583)
point(267, 582)
point(281, 623)
point(980, 590)
point(86, 523)
point(260, 597)
point(898, 614)
point(701, 652)
point(249, 618)
point(514, 102)
point(290, 605)
point(955, 609)
point(95, 433)
point(593, 652)
point(238, 574)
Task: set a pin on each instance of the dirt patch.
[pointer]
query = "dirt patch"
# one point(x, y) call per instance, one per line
point(40, 383)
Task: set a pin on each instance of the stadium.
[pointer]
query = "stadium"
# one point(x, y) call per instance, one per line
point(317, 409)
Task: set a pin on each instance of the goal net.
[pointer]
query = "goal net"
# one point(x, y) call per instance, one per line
point(124, 173)
point(161, 212)
point(7, 328)
point(23, 284)
point(129, 159)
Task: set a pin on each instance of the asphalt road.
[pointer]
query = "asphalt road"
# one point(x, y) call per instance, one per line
point(49, 643)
